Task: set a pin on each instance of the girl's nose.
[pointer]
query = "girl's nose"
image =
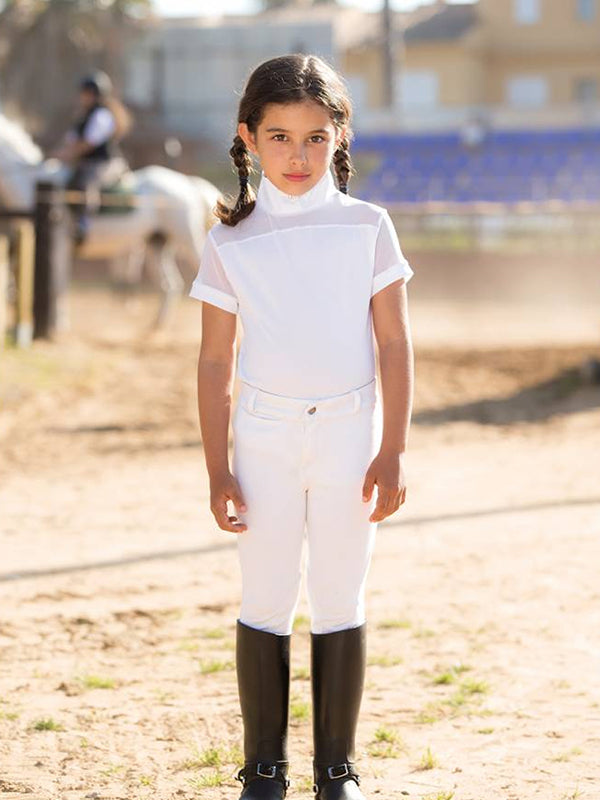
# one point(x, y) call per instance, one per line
point(299, 157)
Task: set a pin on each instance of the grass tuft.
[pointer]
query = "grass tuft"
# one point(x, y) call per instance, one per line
point(114, 769)
point(449, 675)
point(574, 795)
point(213, 756)
point(428, 760)
point(211, 780)
point(303, 785)
point(432, 712)
point(566, 756)
point(384, 661)
point(47, 724)
point(299, 709)
point(423, 633)
point(388, 624)
point(208, 666)
point(461, 701)
point(96, 682)
point(386, 743)
point(214, 633)
point(472, 686)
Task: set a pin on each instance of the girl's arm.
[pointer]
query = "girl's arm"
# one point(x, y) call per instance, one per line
point(215, 382)
point(396, 362)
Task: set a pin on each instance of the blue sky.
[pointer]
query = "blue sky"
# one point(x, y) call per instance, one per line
point(209, 7)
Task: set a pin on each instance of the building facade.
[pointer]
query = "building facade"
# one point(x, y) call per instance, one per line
point(511, 62)
point(502, 63)
point(190, 75)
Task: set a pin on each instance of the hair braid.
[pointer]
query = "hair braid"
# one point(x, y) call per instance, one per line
point(342, 164)
point(246, 197)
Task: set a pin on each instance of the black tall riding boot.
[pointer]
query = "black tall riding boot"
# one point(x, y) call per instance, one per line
point(338, 662)
point(263, 673)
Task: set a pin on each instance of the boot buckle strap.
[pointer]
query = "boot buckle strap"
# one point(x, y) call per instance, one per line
point(338, 771)
point(266, 770)
point(262, 770)
point(334, 772)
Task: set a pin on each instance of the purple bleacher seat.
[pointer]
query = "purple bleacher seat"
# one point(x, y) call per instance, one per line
point(509, 166)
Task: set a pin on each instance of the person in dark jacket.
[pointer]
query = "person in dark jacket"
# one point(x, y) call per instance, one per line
point(91, 147)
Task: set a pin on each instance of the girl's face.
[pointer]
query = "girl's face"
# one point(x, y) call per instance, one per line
point(294, 143)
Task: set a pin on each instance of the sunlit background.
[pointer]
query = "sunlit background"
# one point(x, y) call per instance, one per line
point(477, 126)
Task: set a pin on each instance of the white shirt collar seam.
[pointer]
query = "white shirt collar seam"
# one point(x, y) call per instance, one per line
point(297, 227)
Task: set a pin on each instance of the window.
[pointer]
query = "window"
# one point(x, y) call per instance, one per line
point(527, 12)
point(585, 90)
point(527, 91)
point(586, 10)
point(418, 89)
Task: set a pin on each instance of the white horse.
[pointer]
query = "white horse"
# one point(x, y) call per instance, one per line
point(166, 228)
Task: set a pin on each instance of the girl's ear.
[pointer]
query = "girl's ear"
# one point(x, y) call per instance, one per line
point(248, 137)
point(340, 136)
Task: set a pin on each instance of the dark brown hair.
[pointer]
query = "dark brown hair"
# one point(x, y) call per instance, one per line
point(288, 79)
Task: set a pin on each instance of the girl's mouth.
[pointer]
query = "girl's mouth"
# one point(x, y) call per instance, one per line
point(296, 177)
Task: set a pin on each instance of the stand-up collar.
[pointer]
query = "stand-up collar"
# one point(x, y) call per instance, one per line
point(275, 201)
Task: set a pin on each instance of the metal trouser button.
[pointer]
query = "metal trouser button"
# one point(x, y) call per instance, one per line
point(312, 410)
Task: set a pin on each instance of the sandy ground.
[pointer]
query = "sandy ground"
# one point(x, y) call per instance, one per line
point(119, 593)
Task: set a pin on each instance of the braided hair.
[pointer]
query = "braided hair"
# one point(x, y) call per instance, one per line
point(342, 164)
point(288, 79)
point(246, 198)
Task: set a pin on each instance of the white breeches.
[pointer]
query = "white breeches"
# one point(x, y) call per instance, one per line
point(301, 465)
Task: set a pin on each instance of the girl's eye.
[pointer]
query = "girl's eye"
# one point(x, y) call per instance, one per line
point(316, 136)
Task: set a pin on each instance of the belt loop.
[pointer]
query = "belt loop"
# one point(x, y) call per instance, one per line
point(357, 399)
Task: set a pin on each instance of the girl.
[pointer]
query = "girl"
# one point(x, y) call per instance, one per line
point(312, 272)
point(90, 145)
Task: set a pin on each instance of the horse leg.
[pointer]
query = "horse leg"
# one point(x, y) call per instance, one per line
point(126, 273)
point(164, 264)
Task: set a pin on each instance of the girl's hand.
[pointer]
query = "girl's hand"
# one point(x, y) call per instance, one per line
point(223, 488)
point(387, 471)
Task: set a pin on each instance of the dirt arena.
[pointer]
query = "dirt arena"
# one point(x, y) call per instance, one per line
point(119, 594)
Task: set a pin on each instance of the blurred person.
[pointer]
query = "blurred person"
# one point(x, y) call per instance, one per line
point(313, 273)
point(474, 132)
point(90, 146)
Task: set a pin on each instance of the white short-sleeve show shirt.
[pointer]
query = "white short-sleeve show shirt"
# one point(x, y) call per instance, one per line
point(301, 270)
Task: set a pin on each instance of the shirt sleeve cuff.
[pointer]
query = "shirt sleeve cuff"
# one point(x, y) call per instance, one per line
point(215, 297)
point(391, 274)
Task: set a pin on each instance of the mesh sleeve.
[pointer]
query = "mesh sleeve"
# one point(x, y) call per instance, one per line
point(211, 283)
point(390, 262)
